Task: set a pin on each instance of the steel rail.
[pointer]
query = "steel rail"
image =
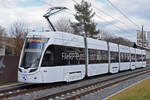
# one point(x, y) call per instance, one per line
point(13, 87)
point(26, 89)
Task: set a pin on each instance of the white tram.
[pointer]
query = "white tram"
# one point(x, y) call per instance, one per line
point(57, 56)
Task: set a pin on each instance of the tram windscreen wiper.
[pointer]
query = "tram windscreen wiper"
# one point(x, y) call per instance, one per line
point(26, 67)
point(35, 63)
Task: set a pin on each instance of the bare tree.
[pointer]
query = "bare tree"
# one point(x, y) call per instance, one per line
point(64, 25)
point(2, 32)
point(115, 39)
point(18, 31)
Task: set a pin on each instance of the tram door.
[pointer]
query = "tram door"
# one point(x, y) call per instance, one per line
point(50, 72)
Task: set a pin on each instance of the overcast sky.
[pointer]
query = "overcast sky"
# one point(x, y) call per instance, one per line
point(31, 12)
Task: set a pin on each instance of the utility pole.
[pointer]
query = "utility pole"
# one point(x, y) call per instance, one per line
point(142, 36)
point(108, 56)
point(85, 50)
point(86, 54)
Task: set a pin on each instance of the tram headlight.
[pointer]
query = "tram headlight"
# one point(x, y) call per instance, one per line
point(35, 78)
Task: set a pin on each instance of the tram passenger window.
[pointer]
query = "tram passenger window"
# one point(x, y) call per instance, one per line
point(92, 56)
point(114, 56)
point(65, 55)
point(128, 57)
point(139, 57)
point(121, 57)
point(97, 56)
point(144, 58)
point(56, 55)
point(124, 57)
point(48, 59)
point(133, 57)
point(104, 55)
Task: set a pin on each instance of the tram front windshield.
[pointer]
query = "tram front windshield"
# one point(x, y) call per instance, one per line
point(32, 52)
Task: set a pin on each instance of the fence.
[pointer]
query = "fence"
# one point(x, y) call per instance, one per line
point(8, 68)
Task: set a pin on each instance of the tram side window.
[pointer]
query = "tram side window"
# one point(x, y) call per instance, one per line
point(104, 55)
point(64, 55)
point(144, 58)
point(114, 56)
point(133, 57)
point(48, 59)
point(93, 56)
point(56, 55)
point(71, 55)
point(124, 57)
point(97, 56)
point(139, 57)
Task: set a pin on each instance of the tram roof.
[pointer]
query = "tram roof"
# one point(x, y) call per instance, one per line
point(57, 34)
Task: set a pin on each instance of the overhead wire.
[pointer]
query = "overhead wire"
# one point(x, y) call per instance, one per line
point(109, 15)
point(115, 7)
point(117, 27)
point(118, 20)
